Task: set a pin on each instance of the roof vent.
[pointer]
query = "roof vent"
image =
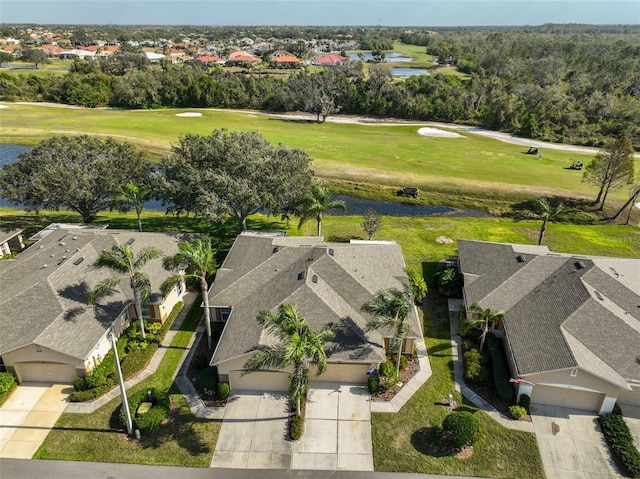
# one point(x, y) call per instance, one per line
point(521, 259)
point(314, 278)
point(74, 238)
point(62, 243)
point(331, 251)
point(301, 275)
point(276, 249)
point(598, 295)
point(79, 260)
point(614, 272)
point(580, 265)
point(131, 240)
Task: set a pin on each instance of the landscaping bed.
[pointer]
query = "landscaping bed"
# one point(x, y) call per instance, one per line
point(209, 396)
point(406, 374)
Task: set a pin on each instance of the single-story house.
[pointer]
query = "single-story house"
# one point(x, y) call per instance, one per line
point(328, 60)
point(328, 282)
point(11, 240)
point(210, 60)
point(49, 333)
point(287, 61)
point(571, 326)
point(76, 53)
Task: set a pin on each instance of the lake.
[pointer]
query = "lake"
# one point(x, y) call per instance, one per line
point(389, 57)
point(355, 205)
point(407, 72)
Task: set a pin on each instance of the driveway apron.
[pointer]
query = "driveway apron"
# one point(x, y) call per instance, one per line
point(337, 431)
point(571, 444)
point(28, 415)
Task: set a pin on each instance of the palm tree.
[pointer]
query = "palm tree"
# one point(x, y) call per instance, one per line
point(122, 260)
point(316, 203)
point(449, 282)
point(390, 309)
point(131, 194)
point(299, 346)
point(194, 260)
point(482, 317)
point(542, 210)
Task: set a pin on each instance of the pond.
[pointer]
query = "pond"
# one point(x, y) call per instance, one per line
point(355, 205)
point(389, 57)
point(407, 72)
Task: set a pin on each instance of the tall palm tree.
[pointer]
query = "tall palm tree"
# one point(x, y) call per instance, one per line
point(483, 317)
point(390, 309)
point(131, 194)
point(194, 260)
point(299, 346)
point(541, 210)
point(122, 260)
point(316, 203)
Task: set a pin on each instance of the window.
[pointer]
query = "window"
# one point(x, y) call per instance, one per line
point(146, 310)
point(574, 372)
point(38, 348)
point(180, 288)
point(225, 313)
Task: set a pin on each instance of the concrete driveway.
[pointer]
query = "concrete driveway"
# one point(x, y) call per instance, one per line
point(337, 434)
point(28, 415)
point(571, 444)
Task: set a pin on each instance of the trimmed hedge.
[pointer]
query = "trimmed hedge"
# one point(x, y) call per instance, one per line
point(620, 441)
point(461, 429)
point(525, 401)
point(223, 390)
point(137, 360)
point(148, 421)
point(474, 371)
point(7, 385)
point(89, 394)
point(517, 412)
point(373, 384)
point(208, 378)
point(500, 369)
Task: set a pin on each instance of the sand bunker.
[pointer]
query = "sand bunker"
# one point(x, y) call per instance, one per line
point(189, 114)
point(436, 132)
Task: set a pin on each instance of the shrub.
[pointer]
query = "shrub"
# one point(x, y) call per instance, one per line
point(295, 427)
point(208, 378)
point(88, 394)
point(461, 429)
point(473, 369)
point(500, 369)
point(79, 384)
point(136, 361)
point(7, 382)
point(199, 361)
point(525, 401)
point(517, 412)
point(389, 374)
point(373, 383)
point(404, 361)
point(223, 390)
point(616, 409)
point(148, 421)
point(620, 441)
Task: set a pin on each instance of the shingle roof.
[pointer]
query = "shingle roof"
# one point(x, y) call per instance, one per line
point(43, 291)
point(327, 282)
point(561, 311)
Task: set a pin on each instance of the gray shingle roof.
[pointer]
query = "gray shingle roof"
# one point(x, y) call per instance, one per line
point(46, 305)
point(327, 282)
point(559, 313)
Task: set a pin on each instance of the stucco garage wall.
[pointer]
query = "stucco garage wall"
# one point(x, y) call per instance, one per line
point(30, 364)
point(632, 397)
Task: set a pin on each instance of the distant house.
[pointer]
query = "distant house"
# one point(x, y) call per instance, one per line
point(11, 240)
point(571, 323)
point(328, 282)
point(48, 332)
point(287, 61)
point(154, 57)
point(210, 60)
point(76, 53)
point(241, 58)
point(328, 60)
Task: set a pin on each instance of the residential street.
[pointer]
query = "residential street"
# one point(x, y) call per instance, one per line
point(34, 469)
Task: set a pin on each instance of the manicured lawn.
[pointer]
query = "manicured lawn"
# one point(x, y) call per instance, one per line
point(184, 440)
point(385, 155)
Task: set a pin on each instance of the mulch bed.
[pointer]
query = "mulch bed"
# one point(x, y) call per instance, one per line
point(209, 400)
point(406, 374)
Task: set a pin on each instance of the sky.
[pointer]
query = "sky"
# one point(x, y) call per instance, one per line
point(321, 12)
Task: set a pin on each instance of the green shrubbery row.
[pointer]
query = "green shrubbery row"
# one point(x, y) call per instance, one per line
point(134, 353)
point(620, 441)
point(151, 419)
point(474, 371)
point(500, 369)
point(7, 385)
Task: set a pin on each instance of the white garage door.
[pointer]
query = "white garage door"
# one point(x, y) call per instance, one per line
point(571, 398)
point(259, 381)
point(343, 373)
point(45, 372)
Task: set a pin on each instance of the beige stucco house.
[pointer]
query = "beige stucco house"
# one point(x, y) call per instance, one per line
point(328, 282)
point(48, 332)
point(571, 324)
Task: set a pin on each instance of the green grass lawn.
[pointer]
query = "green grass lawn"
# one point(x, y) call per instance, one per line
point(385, 155)
point(184, 440)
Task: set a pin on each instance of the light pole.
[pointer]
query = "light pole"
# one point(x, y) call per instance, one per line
point(123, 391)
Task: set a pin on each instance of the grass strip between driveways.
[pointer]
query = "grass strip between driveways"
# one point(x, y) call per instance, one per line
point(184, 440)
